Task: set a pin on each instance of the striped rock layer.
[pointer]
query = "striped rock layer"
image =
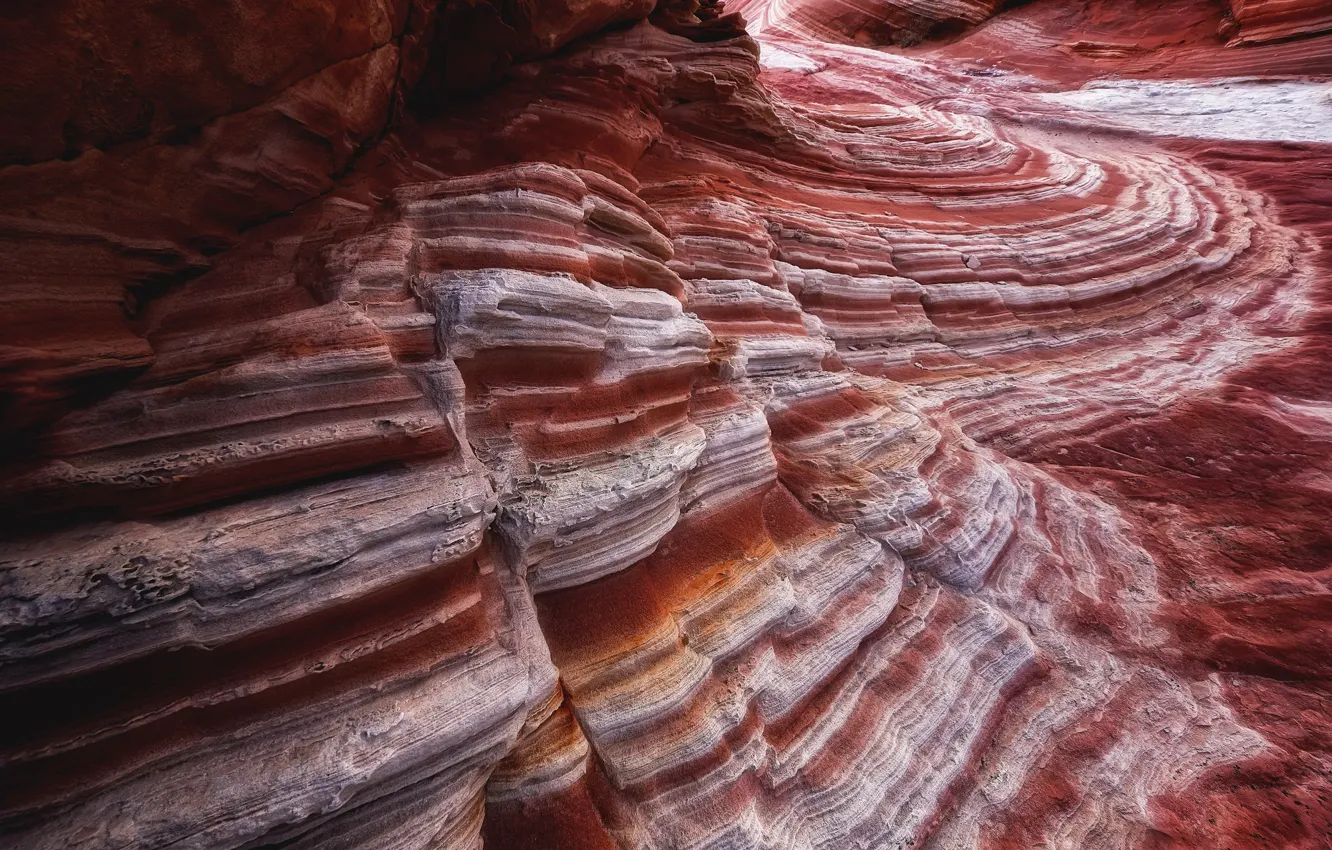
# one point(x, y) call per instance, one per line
point(662, 434)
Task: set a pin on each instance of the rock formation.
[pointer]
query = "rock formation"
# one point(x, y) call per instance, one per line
point(802, 424)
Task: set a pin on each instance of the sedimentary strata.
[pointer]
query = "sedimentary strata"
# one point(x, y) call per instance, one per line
point(616, 425)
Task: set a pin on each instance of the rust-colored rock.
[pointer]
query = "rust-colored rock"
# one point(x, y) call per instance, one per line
point(808, 424)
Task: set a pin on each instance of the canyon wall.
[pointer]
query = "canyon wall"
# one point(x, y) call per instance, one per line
point(803, 424)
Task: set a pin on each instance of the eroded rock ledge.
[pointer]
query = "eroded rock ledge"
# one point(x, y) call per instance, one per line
point(607, 425)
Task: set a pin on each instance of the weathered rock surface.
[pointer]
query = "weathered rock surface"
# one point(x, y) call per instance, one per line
point(605, 425)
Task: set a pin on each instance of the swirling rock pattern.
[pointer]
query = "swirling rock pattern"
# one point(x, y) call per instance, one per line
point(603, 425)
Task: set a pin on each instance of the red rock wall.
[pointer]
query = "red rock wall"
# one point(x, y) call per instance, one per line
point(900, 22)
point(1273, 20)
point(594, 425)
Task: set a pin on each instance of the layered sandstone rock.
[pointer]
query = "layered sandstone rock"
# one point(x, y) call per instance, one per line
point(599, 425)
point(901, 22)
point(1271, 20)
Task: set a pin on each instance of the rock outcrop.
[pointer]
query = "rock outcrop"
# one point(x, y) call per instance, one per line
point(611, 424)
point(1258, 21)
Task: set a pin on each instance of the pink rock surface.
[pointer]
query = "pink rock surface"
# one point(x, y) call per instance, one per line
point(599, 425)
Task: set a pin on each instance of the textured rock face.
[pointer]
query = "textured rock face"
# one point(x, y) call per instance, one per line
point(903, 22)
point(606, 425)
point(1272, 20)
